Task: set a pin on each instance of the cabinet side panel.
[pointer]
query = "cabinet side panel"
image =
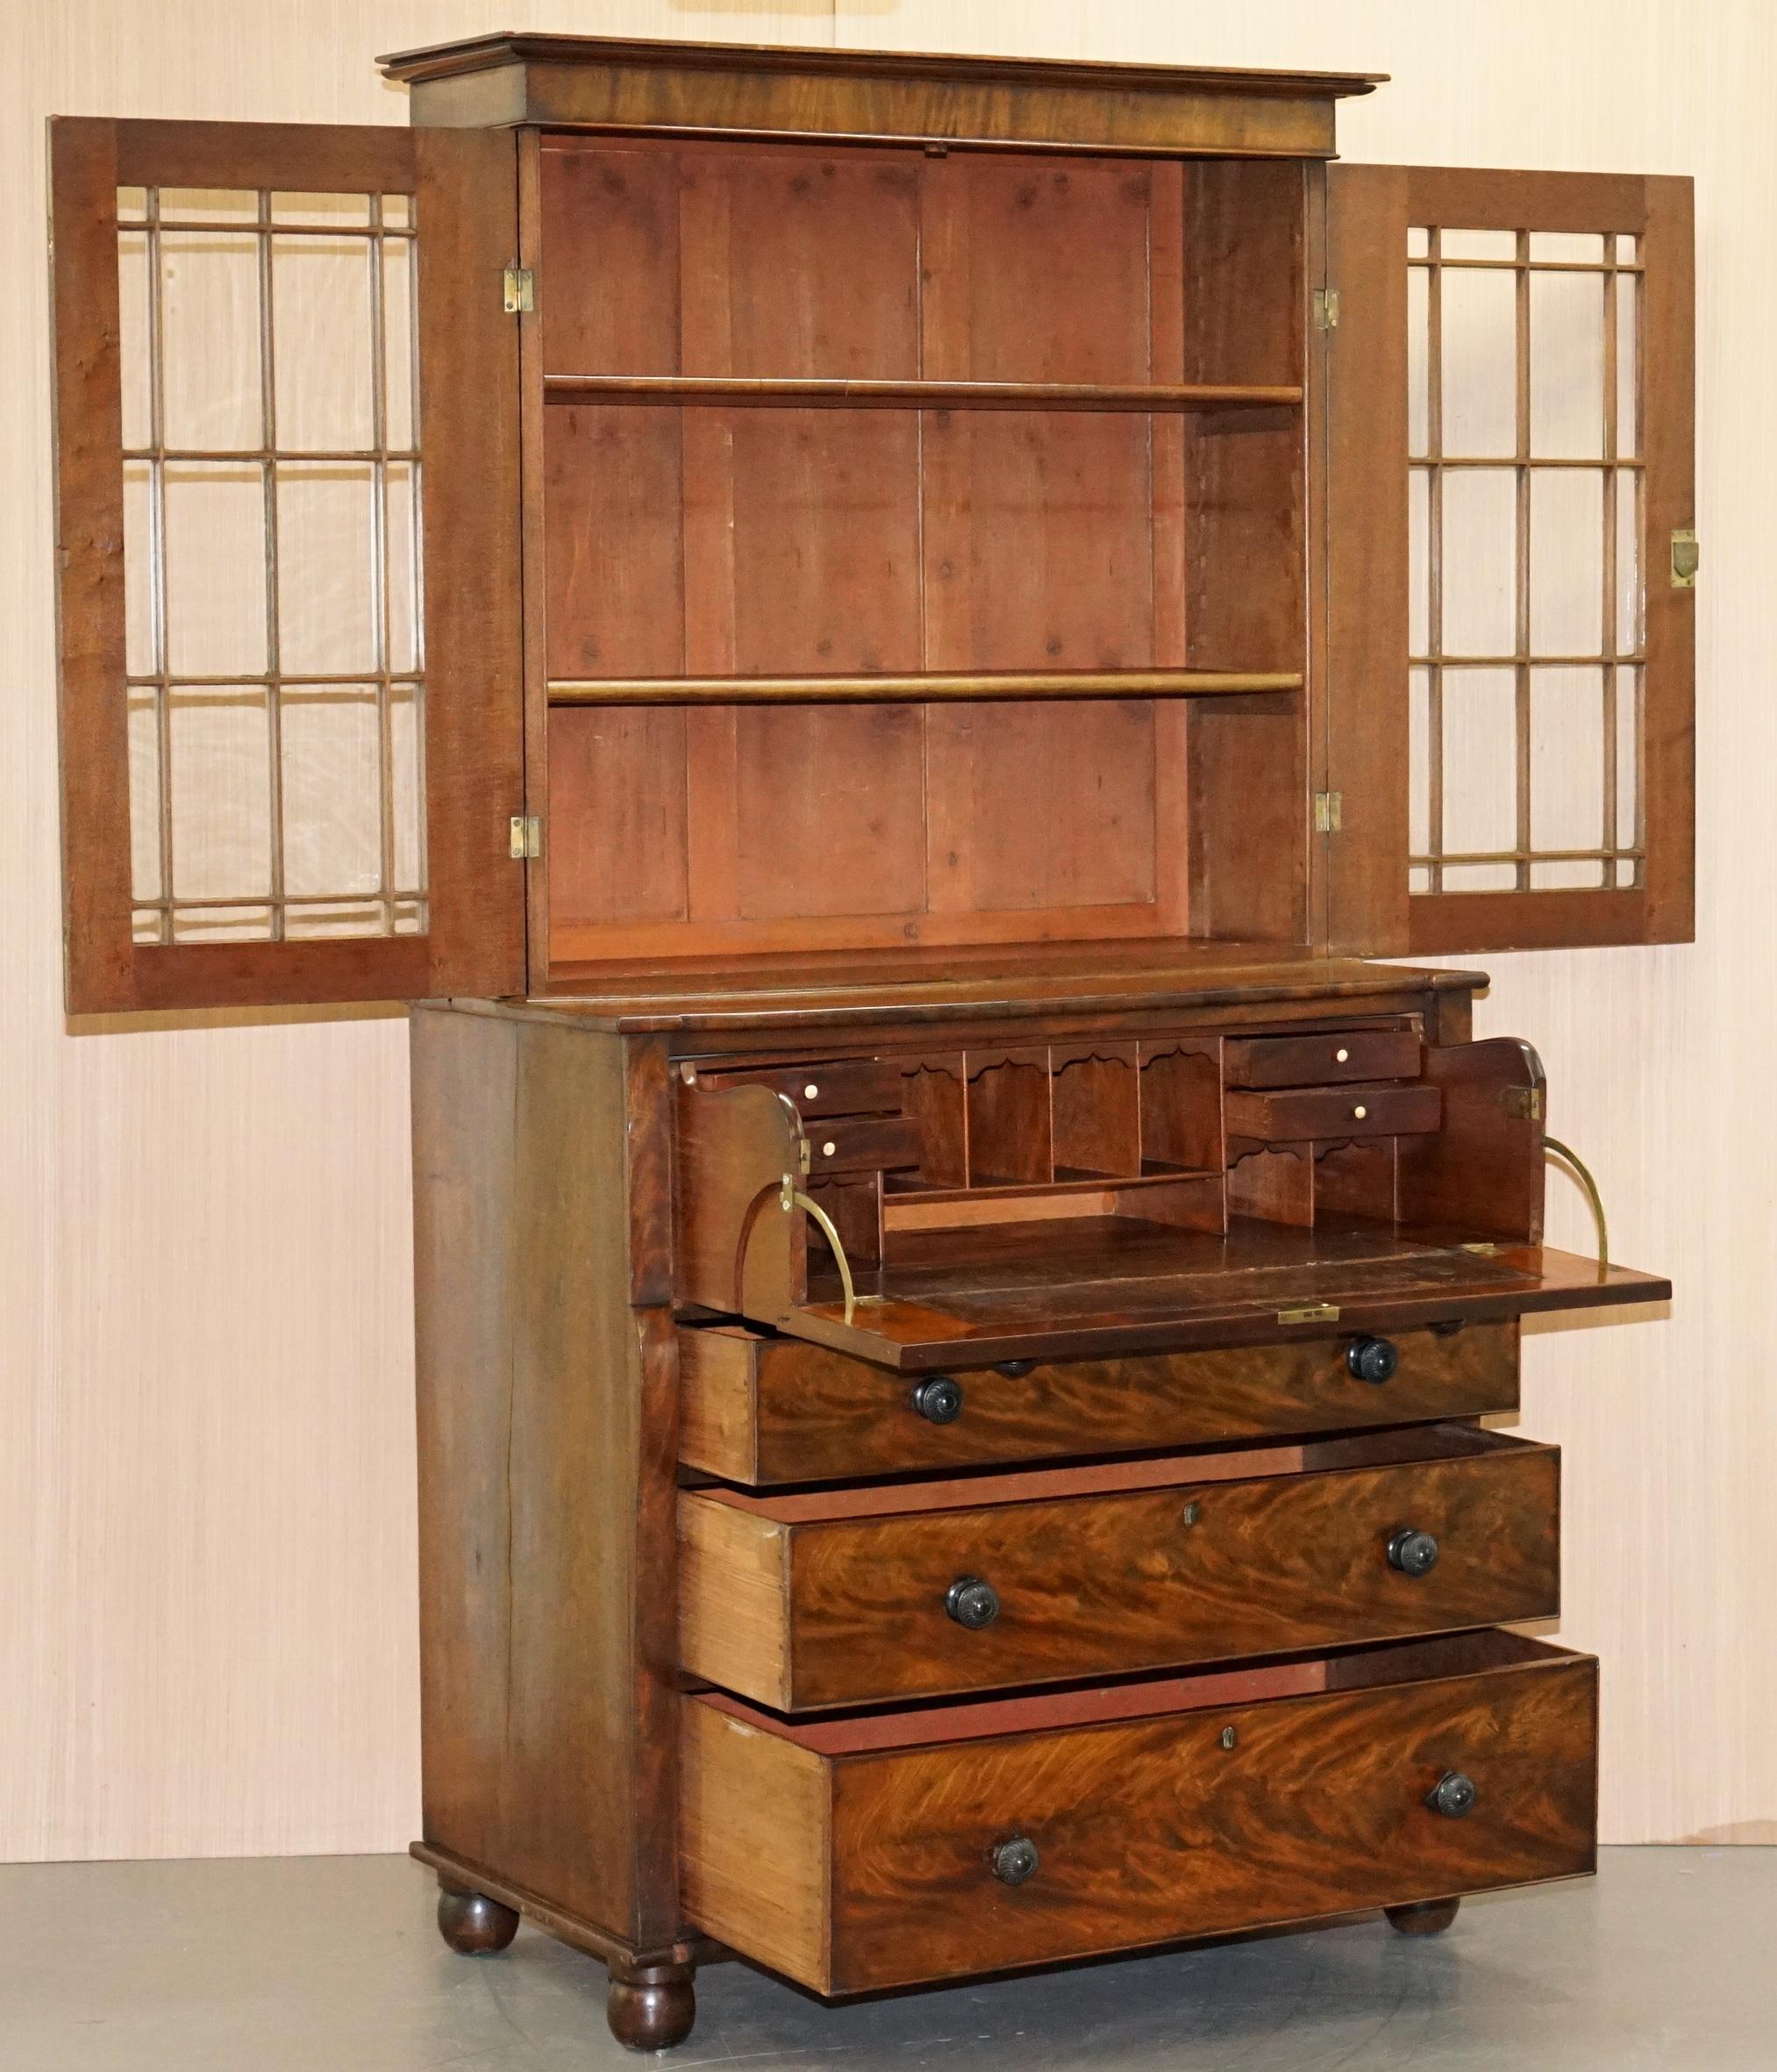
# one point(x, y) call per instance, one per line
point(465, 1068)
point(548, 1737)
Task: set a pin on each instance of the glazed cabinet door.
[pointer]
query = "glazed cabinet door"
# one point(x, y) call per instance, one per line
point(1510, 558)
point(287, 422)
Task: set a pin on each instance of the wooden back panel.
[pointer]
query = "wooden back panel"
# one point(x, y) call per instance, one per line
point(761, 541)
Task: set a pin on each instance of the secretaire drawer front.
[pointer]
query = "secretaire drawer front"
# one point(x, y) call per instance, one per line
point(889, 1849)
point(846, 1086)
point(1293, 1115)
point(1321, 1060)
point(845, 1597)
point(761, 1410)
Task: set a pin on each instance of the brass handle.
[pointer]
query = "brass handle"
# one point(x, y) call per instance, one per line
point(793, 1197)
point(1582, 1173)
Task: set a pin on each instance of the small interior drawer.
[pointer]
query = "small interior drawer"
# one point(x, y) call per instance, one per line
point(867, 1852)
point(761, 1410)
point(1299, 1114)
point(857, 1596)
point(862, 1144)
point(846, 1086)
point(1321, 1060)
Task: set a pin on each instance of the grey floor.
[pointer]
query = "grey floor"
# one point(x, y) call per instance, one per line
point(332, 1965)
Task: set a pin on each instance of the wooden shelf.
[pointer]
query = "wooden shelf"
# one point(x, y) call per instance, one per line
point(917, 690)
point(732, 392)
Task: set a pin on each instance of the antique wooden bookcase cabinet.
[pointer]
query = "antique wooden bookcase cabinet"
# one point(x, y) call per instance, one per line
point(959, 598)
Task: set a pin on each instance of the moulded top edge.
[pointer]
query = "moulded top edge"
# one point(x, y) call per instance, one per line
point(478, 53)
point(839, 990)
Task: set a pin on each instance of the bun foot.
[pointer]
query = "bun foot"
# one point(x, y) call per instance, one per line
point(651, 2006)
point(1429, 1916)
point(473, 1924)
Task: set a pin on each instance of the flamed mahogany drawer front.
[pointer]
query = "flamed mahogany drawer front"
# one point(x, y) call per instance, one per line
point(1293, 1115)
point(894, 1847)
point(852, 1597)
point(848, 1086)
point(763, 1410)
point(1321, 1060)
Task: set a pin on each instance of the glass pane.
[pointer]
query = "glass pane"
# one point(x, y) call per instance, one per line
point(332, 763)
point(144, 797)
point(133, 337)
point(398, 344)
point(1478, 244)
point(397, 211)
point(1480, 763)
point(1567, 366)
point(1629, 592)
point(326, 210)
point(335, 917)
point(133, 203)
point(1627, 758)
point(407, 784)
point(1479, 363)
point(1418, 561)
point(216, 570)
point(209, 204)
point(210, 329)
point(402, 565)
point(321, 300)
point(1583, 247)
point(1419, 396)
point(1628, 366)
point(1479, 877)
point(1480, 561)
point(1567, 771)
point(141, 653)
point(1627, 254)
point(1419, 762)
point(220, 754)
point(1567, 562)
point(327, 573)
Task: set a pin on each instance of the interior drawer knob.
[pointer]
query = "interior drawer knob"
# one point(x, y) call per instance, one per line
point(1412, 1551)
point(1372, 1359)
point(1453, 1795)
point(972, 1603)
point(939, 1400)
point(1014, 1863)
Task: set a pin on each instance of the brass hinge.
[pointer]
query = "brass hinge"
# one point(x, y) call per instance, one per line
point(519, 288)
point(1326, 309)
point(1522, 1103)
point(527, 838)
point(1329, 812)
point(1312, 1312)
point(1684, 560)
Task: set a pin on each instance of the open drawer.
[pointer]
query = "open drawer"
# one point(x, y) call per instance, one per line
point(1224, 1243)
point(890, 1848)
point(855, 1596)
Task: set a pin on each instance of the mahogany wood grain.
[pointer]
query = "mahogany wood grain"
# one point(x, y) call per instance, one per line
point(735, 1249)
point(1201, 1818)
point(548, 1436)
point(801, 1604)
point(1321, 1060)
point(1288, 1115)
point(612, 83)
point(760, 1410)
point(1484, 1165)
